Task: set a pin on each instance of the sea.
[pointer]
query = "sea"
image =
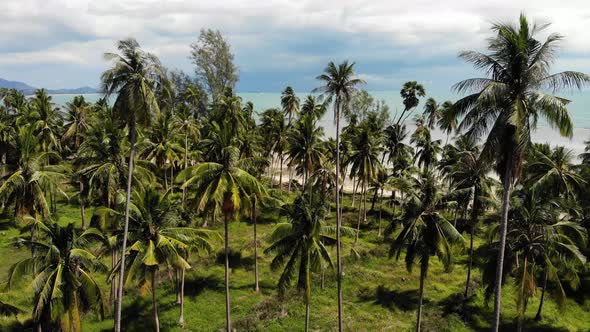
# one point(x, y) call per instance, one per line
point(579, 109)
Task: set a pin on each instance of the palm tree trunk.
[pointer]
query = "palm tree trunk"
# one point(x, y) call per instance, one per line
point(421, 295)
point(365, 200)
point(307, 316)
point(113, 281)
point(155, 302)
point(281, 172)
point(354, 188)
point(380, 210)
point(500, 261)
point(119, 300)
point(358, 223)
point(338, 219)
point(256, 288)
point(82, 214)
point(165, 180)
point(474, 212)
point(172, 178)
point(290, 178)
point(185, 165)
point(227, 304)
point(39, 329)
point(181, 319)
point(539, 314)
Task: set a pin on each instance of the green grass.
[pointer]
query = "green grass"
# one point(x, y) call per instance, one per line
point(379, 294)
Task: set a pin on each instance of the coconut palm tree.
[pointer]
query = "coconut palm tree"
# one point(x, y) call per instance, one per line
point(470, 172)
point(222, 184)
point(290, 104)
point(26, 180)
point(185, 122)
point(305, 148)
point(364, 163)
point(157, 241)
point(64, 285)
point(507, 103)
point(44, 118)
point(425, 233)
point(131, 78)
point(448, 120)
point(314, 107)
point(339, 85)
point(432, 112)
point(553, 173)
point(299, 245)
point(410, 93)
point(76, 122)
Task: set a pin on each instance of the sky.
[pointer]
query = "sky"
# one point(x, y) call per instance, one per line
point(59, 43)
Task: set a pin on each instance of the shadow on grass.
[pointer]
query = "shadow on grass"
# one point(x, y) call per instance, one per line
point(194, 286)
point(393, 299)
point(236, 261)
point(474, 315)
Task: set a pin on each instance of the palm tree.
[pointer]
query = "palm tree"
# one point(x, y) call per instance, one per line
point(132, 79)
point(470, 172)
point(339, 86)
point(161, 145)
point(425, 233)
point(290, 103)
point(448, 120)
point(410, 92)
point(553, 173)
point(224, 185)
point(299, 245)
point(43, 118)
point(427, 150)
point(185, 122)
point(76, 120)
point(64, 284)
point(26, 180)
point(507, 103)
point(314, 107)
point(156, 241)
point(305, 148)
point(432, 112)
point(364, 164)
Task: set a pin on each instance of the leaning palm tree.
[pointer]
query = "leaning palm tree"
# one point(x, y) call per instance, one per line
point(507, 103)
point(425, 233)
point(132, 79)
point(222, 184)
point(157, 241)
point(339, 85)
point(65, 283)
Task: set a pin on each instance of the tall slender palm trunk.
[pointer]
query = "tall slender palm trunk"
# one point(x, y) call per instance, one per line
point(113, 297)
point(256, 287)
point(119, 300)
point(539, 314)
point(82, 214)
point(181, 319)
point(354, 189)
point(226, 244)
point(155, 302)
point(185, 166)
point(338, 220)
point(423, 269)
point(281, 172)
point(307, 316)
point(362, 209)
point(474, 212)
point(500, 262)
point(380, 210)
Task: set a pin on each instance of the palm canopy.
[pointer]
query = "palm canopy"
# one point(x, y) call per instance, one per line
point(78, 112)
point(27, 179)
point(290, 103)
point(507, 103)
point(305, 148)
point(64, 285)
point(339, 84)
point(314, 106)
point(132, 78)
point(553, 172)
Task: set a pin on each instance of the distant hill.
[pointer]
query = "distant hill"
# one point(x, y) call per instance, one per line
point(27, 89)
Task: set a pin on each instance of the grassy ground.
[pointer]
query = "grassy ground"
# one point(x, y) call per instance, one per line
point(379, 294)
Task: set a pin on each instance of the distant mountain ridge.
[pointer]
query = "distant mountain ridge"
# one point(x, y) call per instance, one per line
point(27, 89)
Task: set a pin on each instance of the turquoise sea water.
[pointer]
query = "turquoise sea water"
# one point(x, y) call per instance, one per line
point(579, 111)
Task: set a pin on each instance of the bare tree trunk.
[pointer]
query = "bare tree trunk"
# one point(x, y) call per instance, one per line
point(307, 316)
point(338, 219)
point(155, 302)
point(354, 188)
point(421, 296)
point(281, 172)
point(119, 300)
point(181, 319)
point(380, 211)
point(113, 281)
point(227, 304)
point(503, 229)
point(539, 314)
point(361, 210)
point(82, 214)
point(256, 287)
